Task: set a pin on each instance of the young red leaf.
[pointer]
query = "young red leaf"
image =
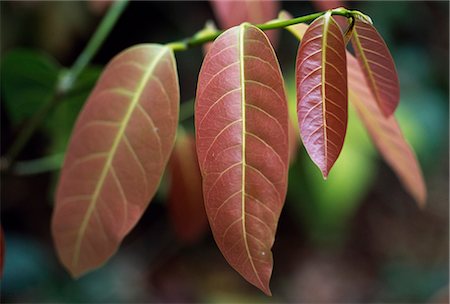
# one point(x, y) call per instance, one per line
point(322, 92)
point(185, 204)
point(241, 120)
point(377, 65)
point(324, 5)
point(232, 13)
point(117, 154)
point(385, 133)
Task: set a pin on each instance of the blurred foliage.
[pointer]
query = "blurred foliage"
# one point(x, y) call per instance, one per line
point(356, 237)
point(29, 81)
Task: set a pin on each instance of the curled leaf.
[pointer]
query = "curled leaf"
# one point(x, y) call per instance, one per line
point(322, 92)
point(377, 65)
point(241, 120)
point(116, 156)
point(185, 204)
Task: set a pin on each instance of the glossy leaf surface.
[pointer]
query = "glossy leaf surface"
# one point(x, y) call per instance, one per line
point(185, 204)
point(241, 120)
point(377, 65)
point(322, 92)
point(386, 134)
point(116, 156)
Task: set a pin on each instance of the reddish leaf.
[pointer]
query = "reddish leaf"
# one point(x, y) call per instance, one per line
point(99, 7)
point(324, 5)
point(186, 208)
point(116, 156)
point(378, 66)
point(322, 92)
point(241, 120)
point(385, 133)
point(234, 12)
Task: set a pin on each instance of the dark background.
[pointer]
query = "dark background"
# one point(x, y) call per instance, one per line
point(356, 238)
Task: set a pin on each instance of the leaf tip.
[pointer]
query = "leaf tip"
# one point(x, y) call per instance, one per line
point(421, 199)
point(387, 110)
point(267, 291)
point(264, 287)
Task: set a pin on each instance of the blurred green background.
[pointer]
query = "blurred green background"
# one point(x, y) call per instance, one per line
point(358, 237)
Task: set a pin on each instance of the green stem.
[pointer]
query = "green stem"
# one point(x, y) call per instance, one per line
point(65, 82)
point(208, 34)
point(96, 40)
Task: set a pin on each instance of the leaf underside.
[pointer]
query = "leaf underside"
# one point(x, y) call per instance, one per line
point(322, 92)
point(377, 65)
point(116, 156)
point(241, 120)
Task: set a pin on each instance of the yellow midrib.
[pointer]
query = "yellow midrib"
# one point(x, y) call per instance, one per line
point(243, 105)
point(367, 67)
point(111, 155)
point(327, 18)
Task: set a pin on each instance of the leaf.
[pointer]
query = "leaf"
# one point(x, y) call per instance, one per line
point(185, 203)
point(336, 200)
point(324, 5)
point(322, 92)
point(241, 120)
point(377, 65)
point(232, 13)
point(386, 134)
point(28, 81)
point(116, 156)
point(61, 120)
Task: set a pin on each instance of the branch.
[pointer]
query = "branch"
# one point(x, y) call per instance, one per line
point(209, 34)
point(65, 83)
point(67, 80)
